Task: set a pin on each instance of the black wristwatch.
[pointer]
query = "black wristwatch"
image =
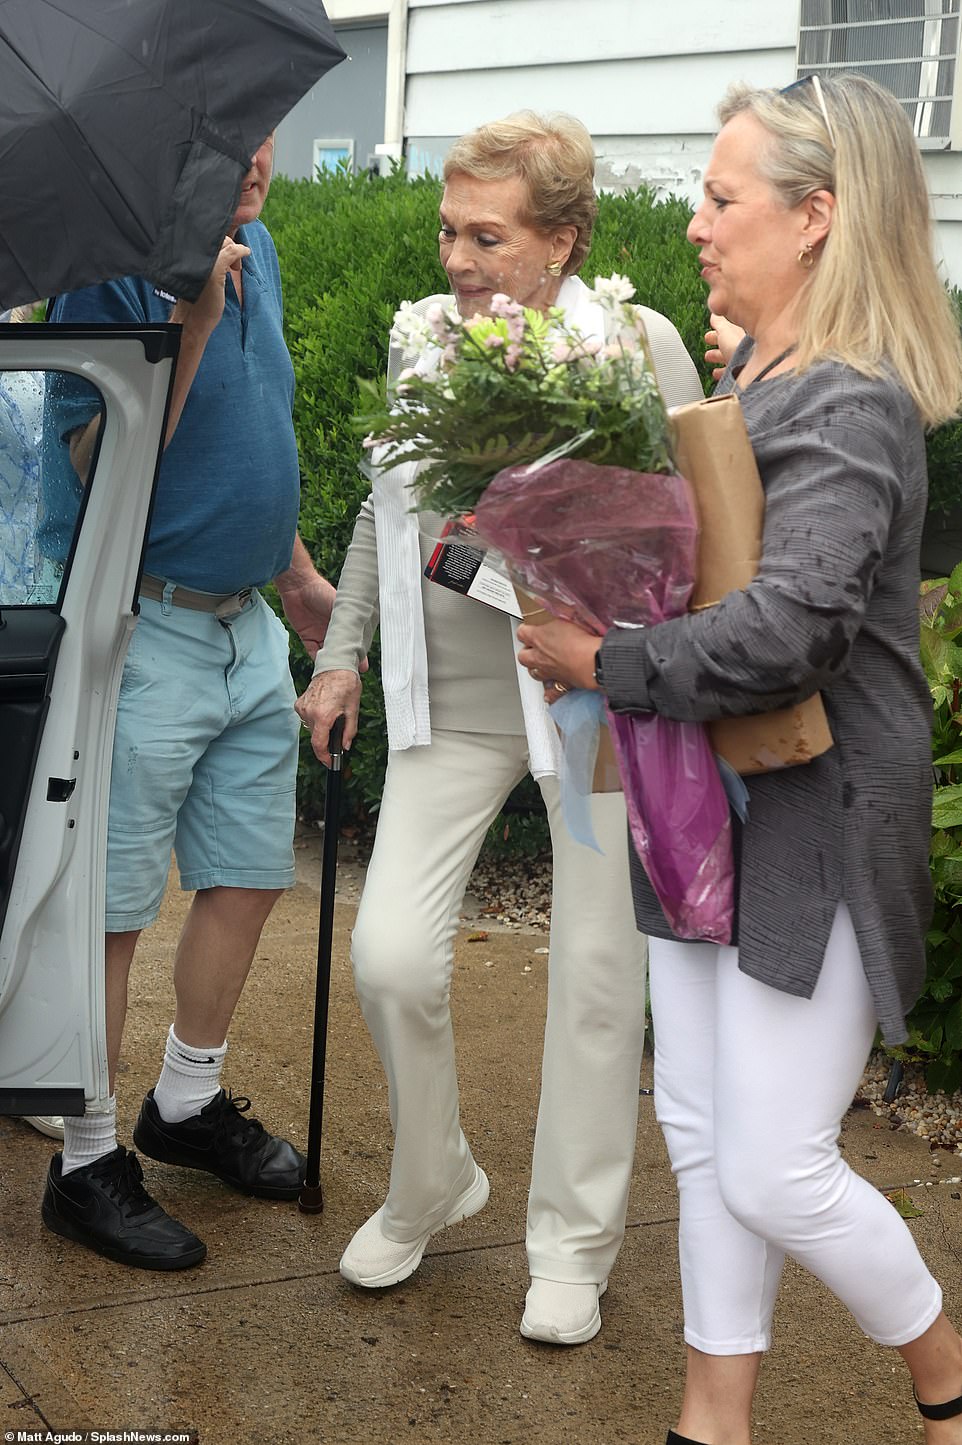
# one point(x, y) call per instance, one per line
point(599, 674)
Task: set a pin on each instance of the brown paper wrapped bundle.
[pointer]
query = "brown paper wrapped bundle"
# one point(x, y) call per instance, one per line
point(713, 451)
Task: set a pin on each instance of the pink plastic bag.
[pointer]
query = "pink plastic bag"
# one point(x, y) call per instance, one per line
point(604, 546)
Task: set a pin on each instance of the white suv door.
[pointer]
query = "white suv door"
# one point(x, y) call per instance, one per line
point(67, 608)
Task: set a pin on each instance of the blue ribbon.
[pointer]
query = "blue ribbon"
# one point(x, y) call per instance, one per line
point(735, 788)
point(578, 716)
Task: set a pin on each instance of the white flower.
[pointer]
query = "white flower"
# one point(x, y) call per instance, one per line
point(412, 331)
point(611, 291)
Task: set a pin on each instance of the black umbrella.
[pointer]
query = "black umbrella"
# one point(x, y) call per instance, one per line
point(311, 1200)
point(126, 127)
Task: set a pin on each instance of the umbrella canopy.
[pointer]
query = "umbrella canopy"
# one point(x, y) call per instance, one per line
point(126, 127)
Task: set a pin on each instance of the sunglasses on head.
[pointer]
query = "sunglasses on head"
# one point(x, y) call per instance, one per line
point(816, 85)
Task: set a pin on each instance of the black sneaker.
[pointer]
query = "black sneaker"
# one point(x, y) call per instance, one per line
point(223, 1140)
point(105, 1206)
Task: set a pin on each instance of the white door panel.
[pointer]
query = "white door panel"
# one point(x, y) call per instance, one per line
point(52, 1035)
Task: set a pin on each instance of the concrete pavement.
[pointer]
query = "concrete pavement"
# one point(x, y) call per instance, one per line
point(265, 1343)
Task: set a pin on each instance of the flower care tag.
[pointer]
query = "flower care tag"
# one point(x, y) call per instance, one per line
point(460, 566)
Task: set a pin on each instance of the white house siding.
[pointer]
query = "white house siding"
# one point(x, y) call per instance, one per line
point(644, 76)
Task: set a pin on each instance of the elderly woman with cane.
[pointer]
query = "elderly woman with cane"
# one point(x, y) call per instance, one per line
point(814, 238)
point(464, 726)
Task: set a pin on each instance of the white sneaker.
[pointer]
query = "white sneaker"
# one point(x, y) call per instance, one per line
point(373, 1261)
point(562, 1314)
point(49, 1124)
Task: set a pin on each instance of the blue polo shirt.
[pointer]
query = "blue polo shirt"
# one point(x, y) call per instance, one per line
point(228, 493)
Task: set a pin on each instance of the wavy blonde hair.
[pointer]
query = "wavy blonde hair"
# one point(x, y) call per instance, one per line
point(874, 298)
point(554, 157)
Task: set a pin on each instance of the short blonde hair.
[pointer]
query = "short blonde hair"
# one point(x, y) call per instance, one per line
point(874, 297)
point(553, 156)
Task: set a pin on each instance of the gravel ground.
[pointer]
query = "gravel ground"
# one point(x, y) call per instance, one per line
point(935, 1117)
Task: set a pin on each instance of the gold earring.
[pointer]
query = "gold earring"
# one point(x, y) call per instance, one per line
point(554, 268)
point(806, 256)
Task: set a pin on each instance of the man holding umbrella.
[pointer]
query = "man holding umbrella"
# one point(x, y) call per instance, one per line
point(206, 744)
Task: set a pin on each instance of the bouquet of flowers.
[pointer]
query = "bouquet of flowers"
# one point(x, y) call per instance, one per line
point(558, 447)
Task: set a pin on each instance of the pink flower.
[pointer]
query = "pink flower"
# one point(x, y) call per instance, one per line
point(493, 341)
point(562, 352)
point(441, 321)
point(510, 311)
point(512, 356)
point(503, 306)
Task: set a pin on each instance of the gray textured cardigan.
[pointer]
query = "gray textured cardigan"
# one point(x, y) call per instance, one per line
point(833, 607)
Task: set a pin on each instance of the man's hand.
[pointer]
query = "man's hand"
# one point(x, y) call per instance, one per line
point(308, 599)
point(722, 342)
point(329, 696)
point(205, 313)
point(307, 606)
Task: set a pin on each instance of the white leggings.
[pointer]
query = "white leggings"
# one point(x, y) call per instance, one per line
point(750, 1088)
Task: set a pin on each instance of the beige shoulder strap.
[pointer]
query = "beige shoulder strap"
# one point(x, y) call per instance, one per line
point(674, 368)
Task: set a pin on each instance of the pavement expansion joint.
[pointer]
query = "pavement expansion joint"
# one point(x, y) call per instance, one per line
point(135, 1300)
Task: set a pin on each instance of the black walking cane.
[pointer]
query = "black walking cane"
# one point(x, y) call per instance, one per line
point(311, 1199)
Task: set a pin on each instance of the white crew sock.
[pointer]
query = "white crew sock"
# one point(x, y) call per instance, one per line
point(189, 1079)
point(89, 1137)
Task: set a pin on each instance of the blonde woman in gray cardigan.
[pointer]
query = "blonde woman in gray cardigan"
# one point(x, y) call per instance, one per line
point(464, 725)
point(814, 238)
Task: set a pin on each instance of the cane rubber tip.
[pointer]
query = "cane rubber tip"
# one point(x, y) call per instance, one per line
point(310, 1199)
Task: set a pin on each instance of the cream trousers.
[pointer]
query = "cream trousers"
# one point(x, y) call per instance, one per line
point(437, 805)
point(750, 1088)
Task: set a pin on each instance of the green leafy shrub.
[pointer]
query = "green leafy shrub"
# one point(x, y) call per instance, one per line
point(936, 1020)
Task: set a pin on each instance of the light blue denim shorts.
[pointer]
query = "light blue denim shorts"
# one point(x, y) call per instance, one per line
point(205, 758)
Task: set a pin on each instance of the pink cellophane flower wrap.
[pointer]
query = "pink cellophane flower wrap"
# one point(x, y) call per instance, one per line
point(605, 547)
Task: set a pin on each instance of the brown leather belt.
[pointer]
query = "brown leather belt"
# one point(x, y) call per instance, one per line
point(222, 604)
